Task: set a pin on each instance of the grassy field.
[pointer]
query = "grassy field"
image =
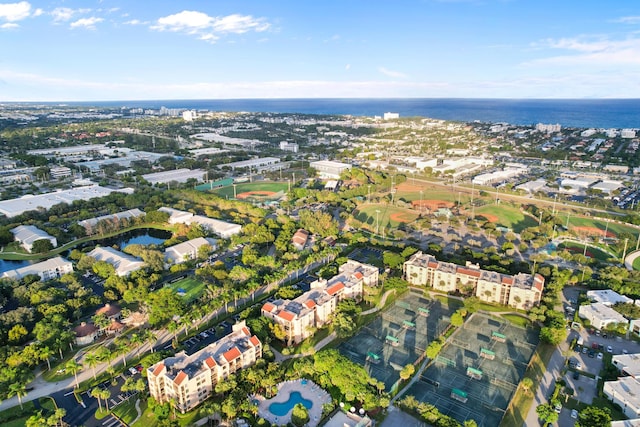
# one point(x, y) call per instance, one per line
point(389, 216)
point(591, 252)
point(613, 229)
point(227, 192)
point(193, 288)
point(636, 264)
point(508, 216)
point(433, 194)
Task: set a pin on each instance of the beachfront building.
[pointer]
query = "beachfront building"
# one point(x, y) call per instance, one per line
point(313, 309)
point(329, 169)
point(600, 315)
point(27, 235)
point(188, 380)
point(123, 219)
point(52, 268)
point(188, 250)
point(520, 291)
point(124, 264)
point(218, 227)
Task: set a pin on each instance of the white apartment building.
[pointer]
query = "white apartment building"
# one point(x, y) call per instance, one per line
point(188, 250)
point(221, 228)
point(90, 223)
point(520, 291)
point(628, 133)
point(391, 116)
point(27, 235)
point(625, 392)
point(124, 264)
point(600, 315)
point(289, 146)
point(52, 268)
point(313, 309)
point(189, 380)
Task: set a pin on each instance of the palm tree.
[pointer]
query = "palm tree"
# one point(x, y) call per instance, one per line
point(18, 389)
point(95, 392)
point(122, 348)
point(45, 354)
point(105, 354)
point(105, 394)
point(73, 366)
point(57, 417)
point(92, 360)
point(150, 337)
point(173, 328)
point(36, 420)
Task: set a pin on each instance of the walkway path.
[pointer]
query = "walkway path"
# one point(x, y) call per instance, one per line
point(380, 306)
point(319, 345)
point(138, 411)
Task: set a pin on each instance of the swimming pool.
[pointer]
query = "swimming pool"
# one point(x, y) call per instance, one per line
point(282, 408)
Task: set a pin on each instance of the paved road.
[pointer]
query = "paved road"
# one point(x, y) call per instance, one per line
point(546, 386)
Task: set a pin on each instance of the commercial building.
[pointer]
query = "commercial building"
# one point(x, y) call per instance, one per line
point(289, 146)
point(607, 297)
point(498, 176)
point(627, 364)
point(14, 207)
point(601, 315)
point(625, 392)
point(124, 264)
point(313, 309)
point(520, 291)
point(329, 169)
point(188, 250)
point(125, 217)
point(59, 172)
point(220, 228)
point(27, 235)
point(52, 268)
point(189, 380)
point(260, 164)
point(177, 175)
point(75, 150)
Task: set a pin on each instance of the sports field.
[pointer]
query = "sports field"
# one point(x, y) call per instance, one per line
point(506, 216)
point(261, 189)
point(389, 216)
point(192, 288)
point(591, 251)
point(597, 227)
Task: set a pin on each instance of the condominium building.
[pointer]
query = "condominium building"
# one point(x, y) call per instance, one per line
point(189, 380)
point(53, 268)
point(126, 217)
point(27, 235)
point(519, 291)
point(124, 264)
point(313, 309)
point(188, 250)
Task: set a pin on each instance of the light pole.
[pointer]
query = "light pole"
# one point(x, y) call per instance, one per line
point(421, 200)
point(377, 222)
point(624, 252)
point(369, 193)
point(234, 191)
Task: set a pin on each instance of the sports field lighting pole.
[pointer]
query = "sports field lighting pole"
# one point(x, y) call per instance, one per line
point(421, 200)
point(369, 193)
point(234, 191)
point(624, 252)
point(606, 229)
point(554, 205)
point(377, 223)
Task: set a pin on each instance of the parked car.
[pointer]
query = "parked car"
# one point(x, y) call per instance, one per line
point(574, 414)
point(558, 408)
point(600, 356)
point(576, 375)
point(609, 349)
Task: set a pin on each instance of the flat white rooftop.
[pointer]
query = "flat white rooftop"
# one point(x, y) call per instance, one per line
point(177, 175)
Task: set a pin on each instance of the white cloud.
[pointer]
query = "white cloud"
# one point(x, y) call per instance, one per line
point(209, 28)
point(391, 73)
point(88, 23)
point(135, 22)
point(15, 11)
point(9, 26)
point(591, 51)
point(628, 20)
point(64, 14)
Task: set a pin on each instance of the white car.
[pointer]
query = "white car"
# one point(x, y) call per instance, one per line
point(574, 414)
point(609, 349)
point(600, 356)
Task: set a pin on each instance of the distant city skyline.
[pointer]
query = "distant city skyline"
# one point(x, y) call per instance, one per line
point(115, 50)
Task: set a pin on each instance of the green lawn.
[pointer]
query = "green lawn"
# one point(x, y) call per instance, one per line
point(127, 411)
point(227, 192)
point(517, 320)
point(433, 195)
point(508, 216)
point(592, 252)
point(193, 288)
point(611, 228)
point(636, 264)
point(367, 215)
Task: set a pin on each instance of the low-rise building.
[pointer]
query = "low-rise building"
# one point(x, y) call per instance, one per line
point(601, 315)
point(220, 228)
point(177, 175)
point(85, 333)
point(52, 268)
point(299, 239)
point(627, 364)
point(329, 169)
point(27, 235)
point(520, 291)
point(124, 218)
point(124, 264)
point(313, 309)
point(607, 297)
point(625, 392)
point(188, 250)
point(188, 380)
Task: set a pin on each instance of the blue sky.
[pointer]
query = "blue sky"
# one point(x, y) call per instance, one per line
point(124, 50)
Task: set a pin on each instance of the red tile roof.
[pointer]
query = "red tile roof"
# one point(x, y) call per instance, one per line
point(507, 280)
point(180, 378)
point(85, 329)
point(469, 272)
point(255, 341)
point(334, 289)
point(159, 369)
point(432, 264)
point(109, 310)
point(232, 354)
point(309, 303)
point(358, 275)
point(246, 331)
point(286, 315)
point(538, 282)
point(211, 363)
point(268, 307)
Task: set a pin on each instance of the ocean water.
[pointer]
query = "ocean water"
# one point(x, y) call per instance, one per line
point(580, 113)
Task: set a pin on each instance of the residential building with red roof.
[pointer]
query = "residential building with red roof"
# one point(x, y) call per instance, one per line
point(313, 309)
point(520, 291)
point(189, 380)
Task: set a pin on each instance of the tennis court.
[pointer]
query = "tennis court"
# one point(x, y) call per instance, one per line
point(398, 336)
point(477, 372)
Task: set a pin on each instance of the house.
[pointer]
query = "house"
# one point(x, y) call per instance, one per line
point(53, 268)
point(110, 311)
point(299, 239)
point(188, 380)
point(188, 250)
point(86, 333)
point(601, 315)
point(124, 264)
point(27, 235)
